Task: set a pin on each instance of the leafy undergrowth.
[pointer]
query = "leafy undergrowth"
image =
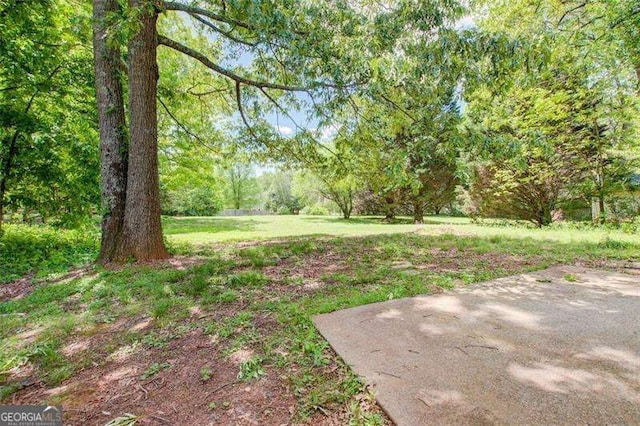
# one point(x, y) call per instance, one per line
point(227, 337)
point(43, 250)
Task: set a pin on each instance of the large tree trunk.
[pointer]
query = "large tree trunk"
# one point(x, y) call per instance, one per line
point(142, 237)
point(544, 216)
point(112, 124)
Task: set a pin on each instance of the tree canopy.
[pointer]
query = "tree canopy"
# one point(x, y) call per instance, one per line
point(521, 109)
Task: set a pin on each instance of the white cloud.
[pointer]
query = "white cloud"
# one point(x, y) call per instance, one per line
point(328, 133)
point(284, 130)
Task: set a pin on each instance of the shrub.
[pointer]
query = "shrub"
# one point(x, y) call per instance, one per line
point(191, 201)
point(283, 210)
point(43, 250)
point(631, 227)
point(315, 210)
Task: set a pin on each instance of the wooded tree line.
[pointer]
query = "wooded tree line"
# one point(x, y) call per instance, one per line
point(549, 128)
point(48, 155)
point(522, 109)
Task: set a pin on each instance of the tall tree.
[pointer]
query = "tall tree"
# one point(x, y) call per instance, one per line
point(112, 126)
point(142, 230)
point(336, 174)
point(566, 127)
point(269, 31)
point(242, 187)
point(320, 59)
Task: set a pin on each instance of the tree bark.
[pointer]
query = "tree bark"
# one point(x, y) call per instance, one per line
point(602, 218)
point(544, 217)
point(349, 203)
point(238, 197)
point(348, 206)
point(112, 126)
point(345, 207)
point(418, 212)
point(389, 207)
point(142, 236)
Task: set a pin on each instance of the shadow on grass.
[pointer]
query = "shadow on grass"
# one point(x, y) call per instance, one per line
point(445, 220)
point(380, 220)
point(369, 271)
point(144, 282)
point(188, 225)
point(370, 220)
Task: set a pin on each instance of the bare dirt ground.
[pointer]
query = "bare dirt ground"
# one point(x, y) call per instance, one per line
point(175, 395)
point(16, 289)
point(115, 384)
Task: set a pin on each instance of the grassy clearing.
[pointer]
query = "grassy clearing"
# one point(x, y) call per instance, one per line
point(258, 299)
point(43, 251)
point(203, 230)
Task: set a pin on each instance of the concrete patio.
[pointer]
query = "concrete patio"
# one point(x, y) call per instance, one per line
point(560, 346)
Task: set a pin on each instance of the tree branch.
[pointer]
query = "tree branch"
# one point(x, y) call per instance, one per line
point(203, 12)
point(219, 30)
point(398, 107)
point(622, 19)
point(207, 92)
point(223, 71)
point(295, 123)
point(569, 11)
point(241, 111)
point(278, 148)
point(183, 127)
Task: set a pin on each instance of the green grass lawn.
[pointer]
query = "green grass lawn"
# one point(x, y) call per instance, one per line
point(203, 230)
point(256, 299)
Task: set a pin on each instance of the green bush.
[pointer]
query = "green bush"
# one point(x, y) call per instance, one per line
point(631, 227)
point(196, 201)
point(315, 210)
point(283, 210)
point(43, 250)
